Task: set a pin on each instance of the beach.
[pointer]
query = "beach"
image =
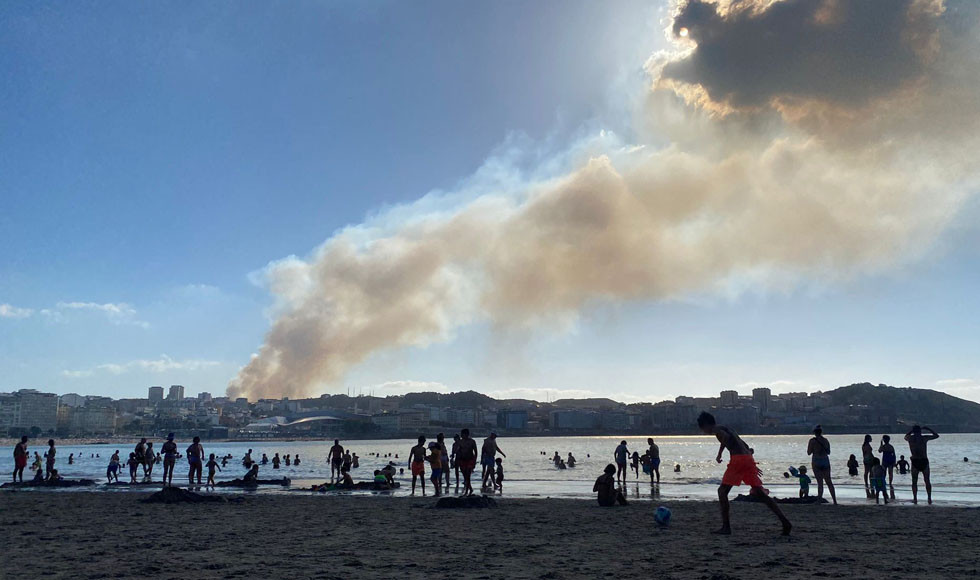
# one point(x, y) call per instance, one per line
point(113, 535)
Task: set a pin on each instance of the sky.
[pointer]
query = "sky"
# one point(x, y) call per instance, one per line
point(192, 193)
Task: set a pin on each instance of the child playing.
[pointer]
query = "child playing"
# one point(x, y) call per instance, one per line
point(878, 480)
point(435, 462)
point(741, 469)
point(133, 463)
point(499, 479)
point(804, 481)
point(211, 465)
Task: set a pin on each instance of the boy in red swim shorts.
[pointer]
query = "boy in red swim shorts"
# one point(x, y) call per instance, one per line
point(741, 469)
point(417, 461)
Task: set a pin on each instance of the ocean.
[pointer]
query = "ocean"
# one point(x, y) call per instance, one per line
point(529, 471)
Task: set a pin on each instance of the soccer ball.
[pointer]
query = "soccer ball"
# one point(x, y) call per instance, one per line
point(662, 516)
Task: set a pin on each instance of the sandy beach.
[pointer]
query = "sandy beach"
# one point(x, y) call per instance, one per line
point(94, 535)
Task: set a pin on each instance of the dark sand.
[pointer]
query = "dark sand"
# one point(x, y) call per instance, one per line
point(93, 535)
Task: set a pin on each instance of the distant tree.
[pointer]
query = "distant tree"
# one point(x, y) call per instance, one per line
point(36, 431)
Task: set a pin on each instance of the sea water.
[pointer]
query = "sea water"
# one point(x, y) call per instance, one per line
point(529, 471)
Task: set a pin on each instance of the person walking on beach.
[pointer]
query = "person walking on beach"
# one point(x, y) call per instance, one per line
point(466, 458)
point(416, 459)
point(140, 451)
point(741, 468)
point(621, 453)
point(195, 457)
point(654, 454)
point(169, 450)
point(49, 464)
point(920, 459)
point(818, 449)
point(336, 458)
point(867, 459)
point(490, 450)
point(20, 459)
point(888, 459)
point(212, 465)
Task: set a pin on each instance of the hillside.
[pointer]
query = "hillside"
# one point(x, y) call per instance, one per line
point(911, 406)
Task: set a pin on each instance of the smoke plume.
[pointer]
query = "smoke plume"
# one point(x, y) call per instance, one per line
point(805, 140)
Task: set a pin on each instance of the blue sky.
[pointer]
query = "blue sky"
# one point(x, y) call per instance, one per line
point(155, 156)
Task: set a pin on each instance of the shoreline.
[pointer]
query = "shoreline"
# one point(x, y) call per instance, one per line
point(324, 536)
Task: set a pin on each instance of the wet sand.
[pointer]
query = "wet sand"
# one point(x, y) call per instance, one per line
point(92, 535)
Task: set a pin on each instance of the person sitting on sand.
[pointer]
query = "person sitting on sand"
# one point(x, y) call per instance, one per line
point(878, 480)
point(54, 475)
point(169, 450)
point(920, 459)
point(741, 469)
point(903, 465)
point(605, 486)
point(416, 457)
point(276, 461)
point(38, 475)
point(380, 478)
point(346, 480)
point(852, 466)
point(252, 475)
point(20, 458)
point(133, 465)
point(212, 465)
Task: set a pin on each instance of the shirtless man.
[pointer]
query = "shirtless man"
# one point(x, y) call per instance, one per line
point(454, 459)
point(489, 453)
point(819, 450)
point(169, 450)
point(416, 459)
point(654, 454)
point(20, 459)
point(336, 459)
point(741, 468)
point(620, 455)
point(140, 451)
point(920, 459)
point(195, 457)
point(466, 459)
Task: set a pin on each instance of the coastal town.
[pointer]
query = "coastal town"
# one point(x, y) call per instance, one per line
point(855, 408)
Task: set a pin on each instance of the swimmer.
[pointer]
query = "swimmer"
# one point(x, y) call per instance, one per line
point(296, 461)
point(903, 465)
point(571, 460)
point(741, 469)
point(71, 458)
point(276, 461)
point(852, 466)
point(265, 459)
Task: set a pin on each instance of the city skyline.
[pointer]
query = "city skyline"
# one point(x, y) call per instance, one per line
point(169, 199)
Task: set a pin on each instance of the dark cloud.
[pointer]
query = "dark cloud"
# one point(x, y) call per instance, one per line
point(841, 51)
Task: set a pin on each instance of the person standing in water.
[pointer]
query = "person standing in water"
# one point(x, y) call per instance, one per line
point(867, 460)
point(819, 451)
point(212, 465)
point(741, 469)
point(454, 458)
point(490, 450)
point(169, 450)
point(416, 458)
point(466, 458)
point(888, 459)
point(336, 458)
point(20, 459)
point(195, 457)
point(920, 459)
point(444, 460)
point(654, 454)
point(49, 464)
point(149, 458)
point(620, 455)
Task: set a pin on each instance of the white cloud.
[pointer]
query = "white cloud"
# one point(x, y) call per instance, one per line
point(117, 313)
point(160, 365)
point(8, 311)
point(963, 388)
